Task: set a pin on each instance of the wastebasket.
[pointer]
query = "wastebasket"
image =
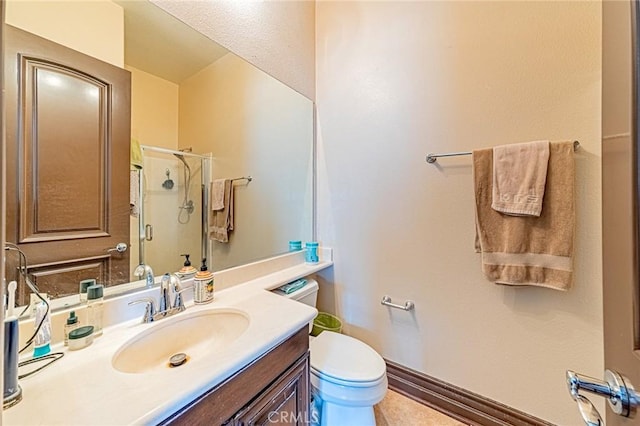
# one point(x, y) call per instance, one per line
point(325, 321)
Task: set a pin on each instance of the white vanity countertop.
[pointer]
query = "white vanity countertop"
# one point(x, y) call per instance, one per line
point(83, 388)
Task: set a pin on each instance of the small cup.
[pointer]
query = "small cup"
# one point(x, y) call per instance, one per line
point(295, 245)
point(80, 337)
point(311, 252)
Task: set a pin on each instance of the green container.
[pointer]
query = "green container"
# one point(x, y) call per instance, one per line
point(325, 321)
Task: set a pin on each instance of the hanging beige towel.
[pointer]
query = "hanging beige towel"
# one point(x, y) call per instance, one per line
point(519, 177)
point(217, 194)
point(526, 250)
point(221, 221)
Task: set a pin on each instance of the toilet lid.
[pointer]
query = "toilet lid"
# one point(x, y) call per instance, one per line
point(345, 358)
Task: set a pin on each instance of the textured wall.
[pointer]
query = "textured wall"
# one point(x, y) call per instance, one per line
point(276, 36)
point(398, 80)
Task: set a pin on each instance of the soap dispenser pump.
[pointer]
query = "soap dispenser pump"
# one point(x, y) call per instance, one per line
point(187, 270)
point(203, 285)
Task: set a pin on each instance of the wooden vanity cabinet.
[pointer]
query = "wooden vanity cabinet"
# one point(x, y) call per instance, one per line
point(273, 389)
point(286, 402)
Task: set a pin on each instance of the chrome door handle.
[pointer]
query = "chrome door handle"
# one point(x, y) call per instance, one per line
point(588, 412)
point(120, 248)
point(148, 232)
point(620, 393)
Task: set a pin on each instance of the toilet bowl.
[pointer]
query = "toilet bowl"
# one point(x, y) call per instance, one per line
point(347, 375)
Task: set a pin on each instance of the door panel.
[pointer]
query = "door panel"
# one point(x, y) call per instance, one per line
point(50, 208)
point(68, 133)
point(620, 209)
point(62, 278)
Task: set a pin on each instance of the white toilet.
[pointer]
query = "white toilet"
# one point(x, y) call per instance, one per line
point(348, 375)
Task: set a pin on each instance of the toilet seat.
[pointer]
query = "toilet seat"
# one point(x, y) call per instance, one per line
point(345, 361)
point(347, 383)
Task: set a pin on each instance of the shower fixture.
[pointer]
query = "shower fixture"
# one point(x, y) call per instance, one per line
point(187, 204)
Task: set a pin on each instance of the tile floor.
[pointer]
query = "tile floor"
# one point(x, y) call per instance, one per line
point(398, 410)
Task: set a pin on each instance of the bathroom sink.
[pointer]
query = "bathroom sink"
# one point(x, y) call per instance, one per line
point(196, 335)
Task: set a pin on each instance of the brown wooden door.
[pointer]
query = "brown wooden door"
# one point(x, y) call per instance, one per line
point(67, 136)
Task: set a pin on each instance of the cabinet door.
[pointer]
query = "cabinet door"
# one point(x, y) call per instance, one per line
point(286, 402)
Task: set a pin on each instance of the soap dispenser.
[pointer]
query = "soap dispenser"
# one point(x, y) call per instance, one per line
point(203, 285)
point(72, 324)
point(187, 270)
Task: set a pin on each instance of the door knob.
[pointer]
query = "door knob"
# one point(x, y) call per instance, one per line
point(120, 248)
point(620, 393)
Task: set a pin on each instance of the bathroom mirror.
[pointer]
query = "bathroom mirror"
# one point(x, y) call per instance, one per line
point(190, 93)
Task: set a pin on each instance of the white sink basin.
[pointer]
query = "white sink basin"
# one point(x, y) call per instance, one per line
point(197, 335)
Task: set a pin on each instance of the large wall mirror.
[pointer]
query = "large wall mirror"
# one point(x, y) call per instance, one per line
point(189, 95)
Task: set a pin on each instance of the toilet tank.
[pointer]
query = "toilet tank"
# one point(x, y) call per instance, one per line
point(307, 294)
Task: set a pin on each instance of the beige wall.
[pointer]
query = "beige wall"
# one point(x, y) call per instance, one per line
point(154, 110)
point(95, 28)
point(398, 80)
point(276, 36)
point(154, 121)
point(254, 125)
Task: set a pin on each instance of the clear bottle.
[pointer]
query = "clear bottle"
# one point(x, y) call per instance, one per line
point(72, 324)
point(95, 308)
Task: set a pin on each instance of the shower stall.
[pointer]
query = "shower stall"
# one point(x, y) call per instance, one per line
point(173, 203)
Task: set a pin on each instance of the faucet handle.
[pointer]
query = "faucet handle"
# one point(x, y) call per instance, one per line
point(178, 304)
point(150, 309)
point(176, 282)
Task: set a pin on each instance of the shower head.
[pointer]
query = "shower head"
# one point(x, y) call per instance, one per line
point(181, 158)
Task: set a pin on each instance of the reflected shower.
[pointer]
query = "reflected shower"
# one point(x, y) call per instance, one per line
point(187, 204)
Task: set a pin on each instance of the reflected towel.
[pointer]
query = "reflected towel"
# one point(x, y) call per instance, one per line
point(217, 194)
point(134, 193)
point(519, 177)
point(221, 221)
point(135, 156)
point(527, 250)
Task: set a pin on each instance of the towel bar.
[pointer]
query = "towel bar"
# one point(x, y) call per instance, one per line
point(432, 158)
point(247, 178)
point(408, 305)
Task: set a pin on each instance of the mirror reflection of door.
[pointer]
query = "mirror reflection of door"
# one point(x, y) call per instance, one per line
point(67, 135)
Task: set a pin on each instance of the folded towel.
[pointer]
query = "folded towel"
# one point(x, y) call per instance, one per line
point(136, 157)
point(519, 177)
point(217, 194)
point(221, 221)
point(526, 250)
point(293, 286)
point(134, 193)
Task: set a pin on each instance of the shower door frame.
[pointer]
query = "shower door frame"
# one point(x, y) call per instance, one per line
point(205, 160)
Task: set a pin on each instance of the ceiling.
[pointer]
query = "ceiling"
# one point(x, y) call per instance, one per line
point(162, 45)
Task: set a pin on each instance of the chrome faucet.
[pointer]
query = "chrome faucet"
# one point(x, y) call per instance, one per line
point(169, 285)
point(165, 294)
point(145, 271)
point(176, 285)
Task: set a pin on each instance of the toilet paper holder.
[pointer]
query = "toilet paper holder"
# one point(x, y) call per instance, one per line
point(408, 305)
